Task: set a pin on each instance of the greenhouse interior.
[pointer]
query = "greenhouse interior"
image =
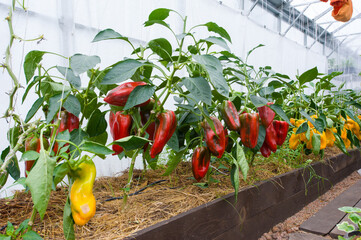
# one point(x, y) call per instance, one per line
point(205, 119)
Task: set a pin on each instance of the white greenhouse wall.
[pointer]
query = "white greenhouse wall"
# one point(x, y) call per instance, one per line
point(69, 27)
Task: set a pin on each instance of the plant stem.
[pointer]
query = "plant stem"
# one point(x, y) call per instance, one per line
point(32, 218)
point(130, 176)
point(18, 145)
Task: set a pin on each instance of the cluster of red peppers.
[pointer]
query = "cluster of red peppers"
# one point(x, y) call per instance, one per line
point(159, 131)
point(247, 125)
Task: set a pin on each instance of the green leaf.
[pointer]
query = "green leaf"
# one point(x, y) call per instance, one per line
point(256, 47)
point(159, 14)
point(308, 76)
point(258, 101)
point(68, 222)
point(121, 71)
point(199, 88)
point(4, 237)
point(174, 159)
point(218, 41)
point(213, 27)
point(215, 71)
point(72, 105)
point(355, 218)
point(81, 63)
point(95, 148)
point(29, 155)
point(316, 143)
point(49, 88)
point(173, 142)
point(320, 124)
point(60, 172)
point(303, 128)
point(235, 178)
point(96, 124)
point(346, 227)
point(260, 140)
point(54, 105)
point(77, 136)
point(10, 229)
point(30, 85)
point(102, 138)
point(40, 180)
point(140, 94)
point(22, 227)
point(32, 59)
point(303, 113)
point(161, 47)
point(70, 76)
point(13, 168)
point(278, 109)
point(31, 235)
point(34, 108)
point(242, 161)
point(64, 135)
point(108, 34)
point(131, 142)
point(350, 209)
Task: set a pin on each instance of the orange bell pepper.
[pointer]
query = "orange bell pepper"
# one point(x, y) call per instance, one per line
point(342, 10)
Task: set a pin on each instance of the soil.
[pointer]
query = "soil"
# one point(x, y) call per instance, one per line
point(161, 198)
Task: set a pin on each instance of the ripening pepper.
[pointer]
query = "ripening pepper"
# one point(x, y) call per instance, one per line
point(330, 137)
point(33, 143)
point(200, 162)
point(342, 10)
point(323, 137)
point(271, 138)
point(230, 115)
point(145, 115)
point(120, 126)
point(216, 142)
point(265, 150)
point(266, 115)
point(82, 201)
point(164, 129)
point(294, 141)
point(281, 128)
point(68, 121)
point(119, 95)
point(249, 129)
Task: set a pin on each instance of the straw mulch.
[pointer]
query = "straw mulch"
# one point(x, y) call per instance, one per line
point(113, 219)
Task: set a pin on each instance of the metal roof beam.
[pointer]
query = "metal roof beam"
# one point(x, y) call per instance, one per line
point(306, 3)
point(345, 24)
point(294, 21)
point(322, 14)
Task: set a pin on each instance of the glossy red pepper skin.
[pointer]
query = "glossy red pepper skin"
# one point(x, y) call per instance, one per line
point(200, 162)
point(145, 115)
point(249, 129)
point(164, 129)
point(265, 150)
point(230, 115)
point(266, 114)
point(120, 126)
point(68, 121)
point(216, 142)
point(281, 128)
point(271, 138)
point(33, 143)
point(119, 95)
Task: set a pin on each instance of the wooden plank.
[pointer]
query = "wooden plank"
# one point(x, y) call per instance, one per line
point(305, 236)
point(335, 232)
point(324, 220)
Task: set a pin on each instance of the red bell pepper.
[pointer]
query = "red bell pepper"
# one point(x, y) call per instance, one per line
point(265, 150)
point(230, 115)
point(249, 129)
point(68, 121)
point(165, 127)
point(119, 95)
point(216, 142)
point(281, 128)
point(200, 162)
point(144, 115)
point(271, 138)
point(266, 114)
point(33, 143)
point(120, 126)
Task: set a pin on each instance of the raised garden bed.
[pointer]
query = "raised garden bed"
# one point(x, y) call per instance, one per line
point(259, 207)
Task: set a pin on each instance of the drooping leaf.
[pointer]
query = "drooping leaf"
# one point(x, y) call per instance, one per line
point(54, 105)
point(140, 94)
point(242, 161)
point(60, 172)
point(108, 34)
point(161, 47)
point(32, 59)
point(131, 142)
point(34, 108)
point(258, 101)
point(213, 27)
point(235, 178)
point(121, 71)
point(81, 63)
point(72, 105)
point(218, 41)
point(95, 148)
point(40, 180)
point(70, 76)
point(96, 124)
point(308, 76)
point(303, 113)
point(199, 88)
point(302, 128)
point(316, 143)
point(29, 155)
point(215, 71)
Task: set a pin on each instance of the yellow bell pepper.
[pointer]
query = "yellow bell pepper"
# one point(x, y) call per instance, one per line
point(294, 141)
